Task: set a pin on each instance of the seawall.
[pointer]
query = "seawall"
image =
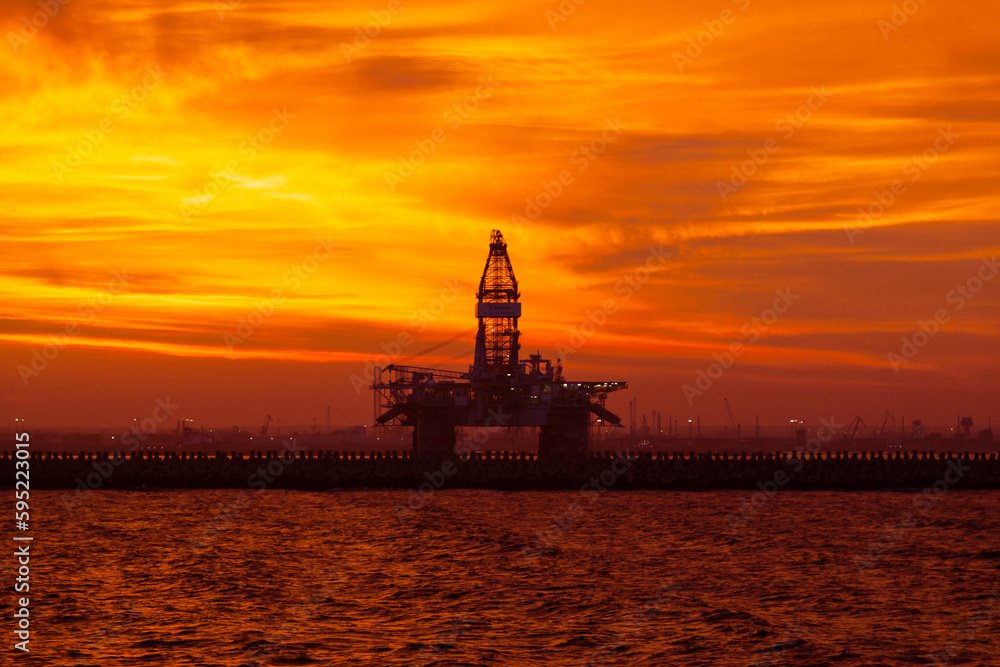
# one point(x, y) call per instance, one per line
point(507, 470)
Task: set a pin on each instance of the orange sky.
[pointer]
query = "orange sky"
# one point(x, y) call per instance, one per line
point(208, 150)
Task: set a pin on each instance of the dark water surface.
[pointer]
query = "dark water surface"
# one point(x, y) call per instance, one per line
point(493, 578)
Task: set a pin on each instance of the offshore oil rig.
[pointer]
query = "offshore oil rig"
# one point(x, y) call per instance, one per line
point(499, 390)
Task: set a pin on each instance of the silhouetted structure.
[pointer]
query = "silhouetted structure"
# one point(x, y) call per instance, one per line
point(498, 389)
point(295, 469)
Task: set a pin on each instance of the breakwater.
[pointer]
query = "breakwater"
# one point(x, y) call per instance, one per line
point(286, 469)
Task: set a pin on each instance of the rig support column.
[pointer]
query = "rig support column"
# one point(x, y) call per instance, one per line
point(565, 436)
point(434, 433)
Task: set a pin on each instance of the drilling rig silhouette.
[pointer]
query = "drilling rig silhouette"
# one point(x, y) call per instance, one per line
point(499, 389)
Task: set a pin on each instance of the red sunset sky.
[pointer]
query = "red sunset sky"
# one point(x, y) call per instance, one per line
point(205, 151)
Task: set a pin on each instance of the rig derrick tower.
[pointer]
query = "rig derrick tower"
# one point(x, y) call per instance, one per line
point(498, 310)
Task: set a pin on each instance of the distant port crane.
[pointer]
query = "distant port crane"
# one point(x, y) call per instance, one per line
point(732, 419)
point(883, 423)
point(852, 428)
